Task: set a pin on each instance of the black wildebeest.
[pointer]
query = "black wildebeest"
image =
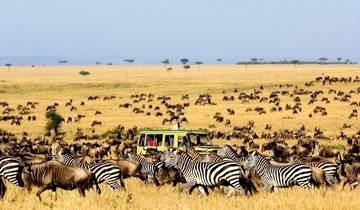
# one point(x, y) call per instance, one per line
point(53, 174)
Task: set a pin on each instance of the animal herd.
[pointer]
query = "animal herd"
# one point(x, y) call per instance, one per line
point(52, 162)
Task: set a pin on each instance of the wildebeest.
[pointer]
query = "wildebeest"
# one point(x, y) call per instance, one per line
point(53, 174)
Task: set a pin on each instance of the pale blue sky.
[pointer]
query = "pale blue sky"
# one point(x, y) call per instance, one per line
point(151, 30)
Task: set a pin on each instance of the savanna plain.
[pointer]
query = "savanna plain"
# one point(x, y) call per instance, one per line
point(50, 84)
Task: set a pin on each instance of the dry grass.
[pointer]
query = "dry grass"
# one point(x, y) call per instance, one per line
point(58, 84)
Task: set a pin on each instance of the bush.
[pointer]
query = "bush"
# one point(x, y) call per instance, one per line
point(117, 131)
point(84, 73)
point(212, 126)
point(53, 121)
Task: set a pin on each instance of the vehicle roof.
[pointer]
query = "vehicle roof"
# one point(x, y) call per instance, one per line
point(169, 130)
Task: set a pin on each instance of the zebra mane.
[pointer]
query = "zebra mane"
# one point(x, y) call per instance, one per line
point(231, 149)
point(184, 154)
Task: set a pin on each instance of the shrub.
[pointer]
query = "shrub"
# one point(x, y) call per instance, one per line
point(53, 121)
point(84, 73)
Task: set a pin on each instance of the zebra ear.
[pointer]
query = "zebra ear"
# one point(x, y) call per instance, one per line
point(253, 153)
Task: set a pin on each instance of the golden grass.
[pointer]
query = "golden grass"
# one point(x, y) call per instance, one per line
point(58, 84)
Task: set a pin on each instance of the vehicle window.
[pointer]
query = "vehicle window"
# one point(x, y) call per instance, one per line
point(142, 140)
point(150, 140)
point(184, 141)
point(169, 140)
point(199, 140)
point(158, 138)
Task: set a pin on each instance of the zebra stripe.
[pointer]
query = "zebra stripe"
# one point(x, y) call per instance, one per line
point(104, 171)
point(207, 174)
point(147, 167)
point(228, 152)
point(208, 157)
point(279, 176)
point(329, 168)
point(10, 169)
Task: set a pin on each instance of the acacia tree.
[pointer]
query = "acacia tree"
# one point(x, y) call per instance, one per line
point(295, 62)
point(218, 60)
point(339, 59)
point(254, 60)
point(184, 61)
point(323, 60)
point(63, 61)
point(199, 63)
point(129, 61)
point(8, 65)
point(166, 62)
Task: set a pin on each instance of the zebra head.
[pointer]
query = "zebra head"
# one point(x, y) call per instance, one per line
point(250, 162)
point(222, 152)
point(170, 158)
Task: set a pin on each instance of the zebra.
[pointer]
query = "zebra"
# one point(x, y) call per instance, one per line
point(278, 176)
point(330, 169)
point(207, 157)
point(104, 171)
point(205, 174)
point(227, 152)
point(10, 169)
point(147, 168)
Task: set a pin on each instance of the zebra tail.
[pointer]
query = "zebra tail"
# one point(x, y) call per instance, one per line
point(248, 185)
point(2, 188)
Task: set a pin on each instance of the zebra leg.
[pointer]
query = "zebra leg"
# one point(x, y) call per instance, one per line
point(203, 190)
point(353, 185)
point(304, 185)
point(230, 192)
point(113, 184)
point(188, 184)
point(2, 189)
point(268, 188)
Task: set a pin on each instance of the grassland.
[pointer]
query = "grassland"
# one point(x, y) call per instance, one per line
point(62, 83)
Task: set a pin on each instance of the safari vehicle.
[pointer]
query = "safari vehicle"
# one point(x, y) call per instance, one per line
point(152, 141)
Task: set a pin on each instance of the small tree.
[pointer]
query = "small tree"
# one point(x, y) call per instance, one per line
point(63, 61)
point(339, 59)
point(8, 65)
point(218, 60)
point(129, 61)
point(199, 63)
point(295, 62)
point(254, 60)
point(53, 122)
point(166, 62)
point(184, 61)
point(98, 63)
point(323, 60)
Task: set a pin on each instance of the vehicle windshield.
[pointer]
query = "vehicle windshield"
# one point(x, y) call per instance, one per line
point(199, 139)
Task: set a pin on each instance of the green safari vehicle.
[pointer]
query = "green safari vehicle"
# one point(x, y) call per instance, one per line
point(152, 140)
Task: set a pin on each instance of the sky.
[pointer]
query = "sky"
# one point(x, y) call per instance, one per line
point(200, 30)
